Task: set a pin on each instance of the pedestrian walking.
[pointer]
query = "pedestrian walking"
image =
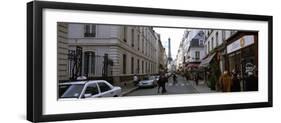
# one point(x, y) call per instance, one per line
point(196, 79)
point(186, 76)
point(236, 82)
point(161, 84)
point(225, 82)
point(136, 80)
point(166, 78)
point(174, 79)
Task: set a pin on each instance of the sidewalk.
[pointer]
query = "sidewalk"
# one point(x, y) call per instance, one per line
point(202, 87)
point(127, 87)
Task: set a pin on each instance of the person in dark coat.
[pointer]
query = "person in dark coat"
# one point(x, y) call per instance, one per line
point(197, 78)
point(235, 82)
point(251, 82)
point(161, 83)
point(164, 84)
point(174, 79)
point(186, 76)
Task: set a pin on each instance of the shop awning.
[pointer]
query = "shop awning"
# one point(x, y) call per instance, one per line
point(206, 62)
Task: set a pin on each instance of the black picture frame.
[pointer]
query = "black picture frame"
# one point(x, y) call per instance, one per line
point(34, 60)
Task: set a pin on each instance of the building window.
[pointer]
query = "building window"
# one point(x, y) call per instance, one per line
point(146, 48)
point(146, 67)
point(125, 33)
point(150, 51)
point(133, 37)
point(138, 66)
point(93, 63)
point(106, 63)
point(71, 62)
point(153, 67)
point(150, 68)
point(89, 63)
point(124, 63)
point(138, 41)
point(132, 65)
point(90, 30)
point(142, 44)
point(86, 63)
point(217, 39)
point(201, 42)
point(142, 66)
point(197, 55)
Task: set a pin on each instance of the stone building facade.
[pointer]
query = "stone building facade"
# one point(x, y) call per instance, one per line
point(62, 51)
point(112, 51)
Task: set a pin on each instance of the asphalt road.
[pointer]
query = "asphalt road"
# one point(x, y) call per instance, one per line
point(181, 87)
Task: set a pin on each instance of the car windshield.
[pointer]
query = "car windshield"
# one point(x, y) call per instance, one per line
point(73, 91)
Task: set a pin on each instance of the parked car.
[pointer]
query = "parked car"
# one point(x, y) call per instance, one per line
point(89, 89)
point(148, 81)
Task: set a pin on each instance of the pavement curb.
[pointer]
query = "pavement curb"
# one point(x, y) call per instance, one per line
point(128, 91)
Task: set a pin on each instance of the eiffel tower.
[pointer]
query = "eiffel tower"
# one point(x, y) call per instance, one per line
point(170, 59)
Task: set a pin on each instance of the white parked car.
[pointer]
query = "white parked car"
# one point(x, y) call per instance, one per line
point(89, 89)
point(149, 81)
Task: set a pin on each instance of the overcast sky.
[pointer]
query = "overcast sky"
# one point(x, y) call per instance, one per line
point(176, 36)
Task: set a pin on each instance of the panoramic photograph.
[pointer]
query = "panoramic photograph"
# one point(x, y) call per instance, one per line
point(102, 60)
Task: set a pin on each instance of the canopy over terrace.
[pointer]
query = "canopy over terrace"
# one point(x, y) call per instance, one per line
point(205, 62)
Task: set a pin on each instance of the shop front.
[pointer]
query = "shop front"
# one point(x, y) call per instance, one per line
point(242, 58)
point(211, 69)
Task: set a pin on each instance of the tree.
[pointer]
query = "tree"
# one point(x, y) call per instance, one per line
point(214, 74)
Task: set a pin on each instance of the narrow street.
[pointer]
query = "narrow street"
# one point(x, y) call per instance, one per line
point(181, 87)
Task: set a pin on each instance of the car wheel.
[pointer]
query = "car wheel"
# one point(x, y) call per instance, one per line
point(115, 96)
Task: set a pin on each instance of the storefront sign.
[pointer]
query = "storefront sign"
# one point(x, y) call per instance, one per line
point(240, 43)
